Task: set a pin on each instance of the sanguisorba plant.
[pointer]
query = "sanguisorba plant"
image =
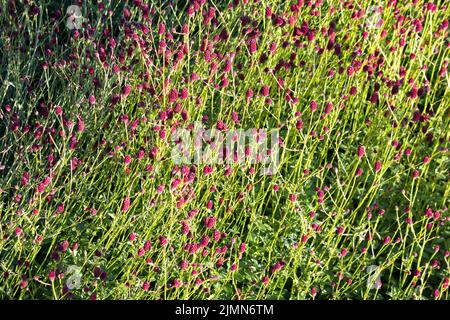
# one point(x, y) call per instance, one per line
point(92, 205)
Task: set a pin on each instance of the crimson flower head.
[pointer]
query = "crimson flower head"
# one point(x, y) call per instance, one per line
point(125, 204)
point(313, 105)
point(80, 124)
point(126, 91)
point(173, 95)
point(361, 151)
point(436, 294)
point(204, 241)
point(161, 28)
point(264, 90)
point(52, 275)
point(162, 241)
point(249, 94)
point(304, 238)
point(127, 159)
point(252, 46)
point(377, 166)
point(210, 222)
point(343, 252)
point(63, 246)
point(18, 231)
point(358, 172)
